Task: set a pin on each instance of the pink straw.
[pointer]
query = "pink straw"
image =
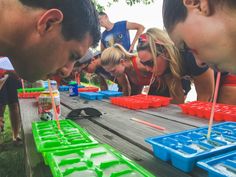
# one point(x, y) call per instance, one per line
point(23, 85)
point(213, 105)
point(148, 124)
point(53, 104)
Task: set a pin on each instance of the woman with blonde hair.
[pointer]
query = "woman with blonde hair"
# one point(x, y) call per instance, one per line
point(173, 70)
point(118, 61)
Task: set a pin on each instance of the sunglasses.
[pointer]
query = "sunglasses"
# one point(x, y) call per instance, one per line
point(83, 113)
point(149, 63)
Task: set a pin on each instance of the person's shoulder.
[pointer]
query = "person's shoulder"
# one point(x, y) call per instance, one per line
point(190, 65)
point(123, 22)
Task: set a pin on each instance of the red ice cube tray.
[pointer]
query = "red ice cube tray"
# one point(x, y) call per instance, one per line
point(141, 101)
point(29, 95)
point(88, 89)
point(223, 112)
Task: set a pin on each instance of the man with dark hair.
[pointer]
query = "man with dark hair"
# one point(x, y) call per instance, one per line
point(45, 37)
point(118, 32)
point(206, 28)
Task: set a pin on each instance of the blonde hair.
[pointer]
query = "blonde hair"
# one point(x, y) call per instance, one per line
point(112, 55)
point(171, 53)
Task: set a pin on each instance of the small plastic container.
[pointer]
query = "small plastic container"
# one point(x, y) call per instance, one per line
point(73, 89)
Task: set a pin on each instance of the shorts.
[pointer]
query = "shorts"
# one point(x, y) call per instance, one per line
point(8, 93)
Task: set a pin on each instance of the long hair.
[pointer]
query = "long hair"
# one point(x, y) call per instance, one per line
point(112, 55)
point(159, 43)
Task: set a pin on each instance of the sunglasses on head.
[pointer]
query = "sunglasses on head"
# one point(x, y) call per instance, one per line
point(83, 113)
point(149, 63)
point(143, 38)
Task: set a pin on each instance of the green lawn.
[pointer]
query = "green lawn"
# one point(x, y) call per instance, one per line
point(11, 156)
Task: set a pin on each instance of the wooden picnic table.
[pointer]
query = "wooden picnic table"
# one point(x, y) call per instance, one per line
point(115, 128)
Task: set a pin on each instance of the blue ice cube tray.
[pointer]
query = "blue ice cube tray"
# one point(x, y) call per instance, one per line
point(185, 148)
point(110, 93)
point(94, 161)
point(91, 95)
point(220, 166)
point(81, 86)
point(63, 88)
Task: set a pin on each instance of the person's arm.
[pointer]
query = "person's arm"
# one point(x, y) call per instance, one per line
point(204, 85)
point(134, 26)
point(124, 83)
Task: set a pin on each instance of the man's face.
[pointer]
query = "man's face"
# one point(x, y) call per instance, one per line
point(51, 55)
point(207, 39)
point(91, 67)
point(102, 20)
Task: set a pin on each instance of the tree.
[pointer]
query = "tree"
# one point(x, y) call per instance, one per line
point(128, 2)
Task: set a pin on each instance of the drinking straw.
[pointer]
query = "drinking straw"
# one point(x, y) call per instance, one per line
point(76, 77)
point(150, 83)
point(53, 104)
point(23, 85)
point(213, 105)
point(148, 124)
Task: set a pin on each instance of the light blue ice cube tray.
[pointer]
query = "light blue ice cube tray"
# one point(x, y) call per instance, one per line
point(185, 148)
point(220, 166)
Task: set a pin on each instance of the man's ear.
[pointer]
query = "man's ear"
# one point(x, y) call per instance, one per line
point(49, 20)
point(201, 5)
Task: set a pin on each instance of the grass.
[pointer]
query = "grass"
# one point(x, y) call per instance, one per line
point(11, 156)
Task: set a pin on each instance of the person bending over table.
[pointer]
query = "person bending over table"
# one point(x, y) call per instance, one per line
point(207, 27)
point(118, 61)
point(172, 69)
point(91, 63)
point(43, 38)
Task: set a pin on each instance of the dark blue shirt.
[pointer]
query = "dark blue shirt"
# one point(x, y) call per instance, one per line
point(118, 34)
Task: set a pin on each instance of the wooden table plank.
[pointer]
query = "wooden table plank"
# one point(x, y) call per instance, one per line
point(145, 159)
point(173, 113)
point(117, 120)
point(34, 162)
point(114, 128)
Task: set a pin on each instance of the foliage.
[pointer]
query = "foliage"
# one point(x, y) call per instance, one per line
point(11, 156)
point(128, 2)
